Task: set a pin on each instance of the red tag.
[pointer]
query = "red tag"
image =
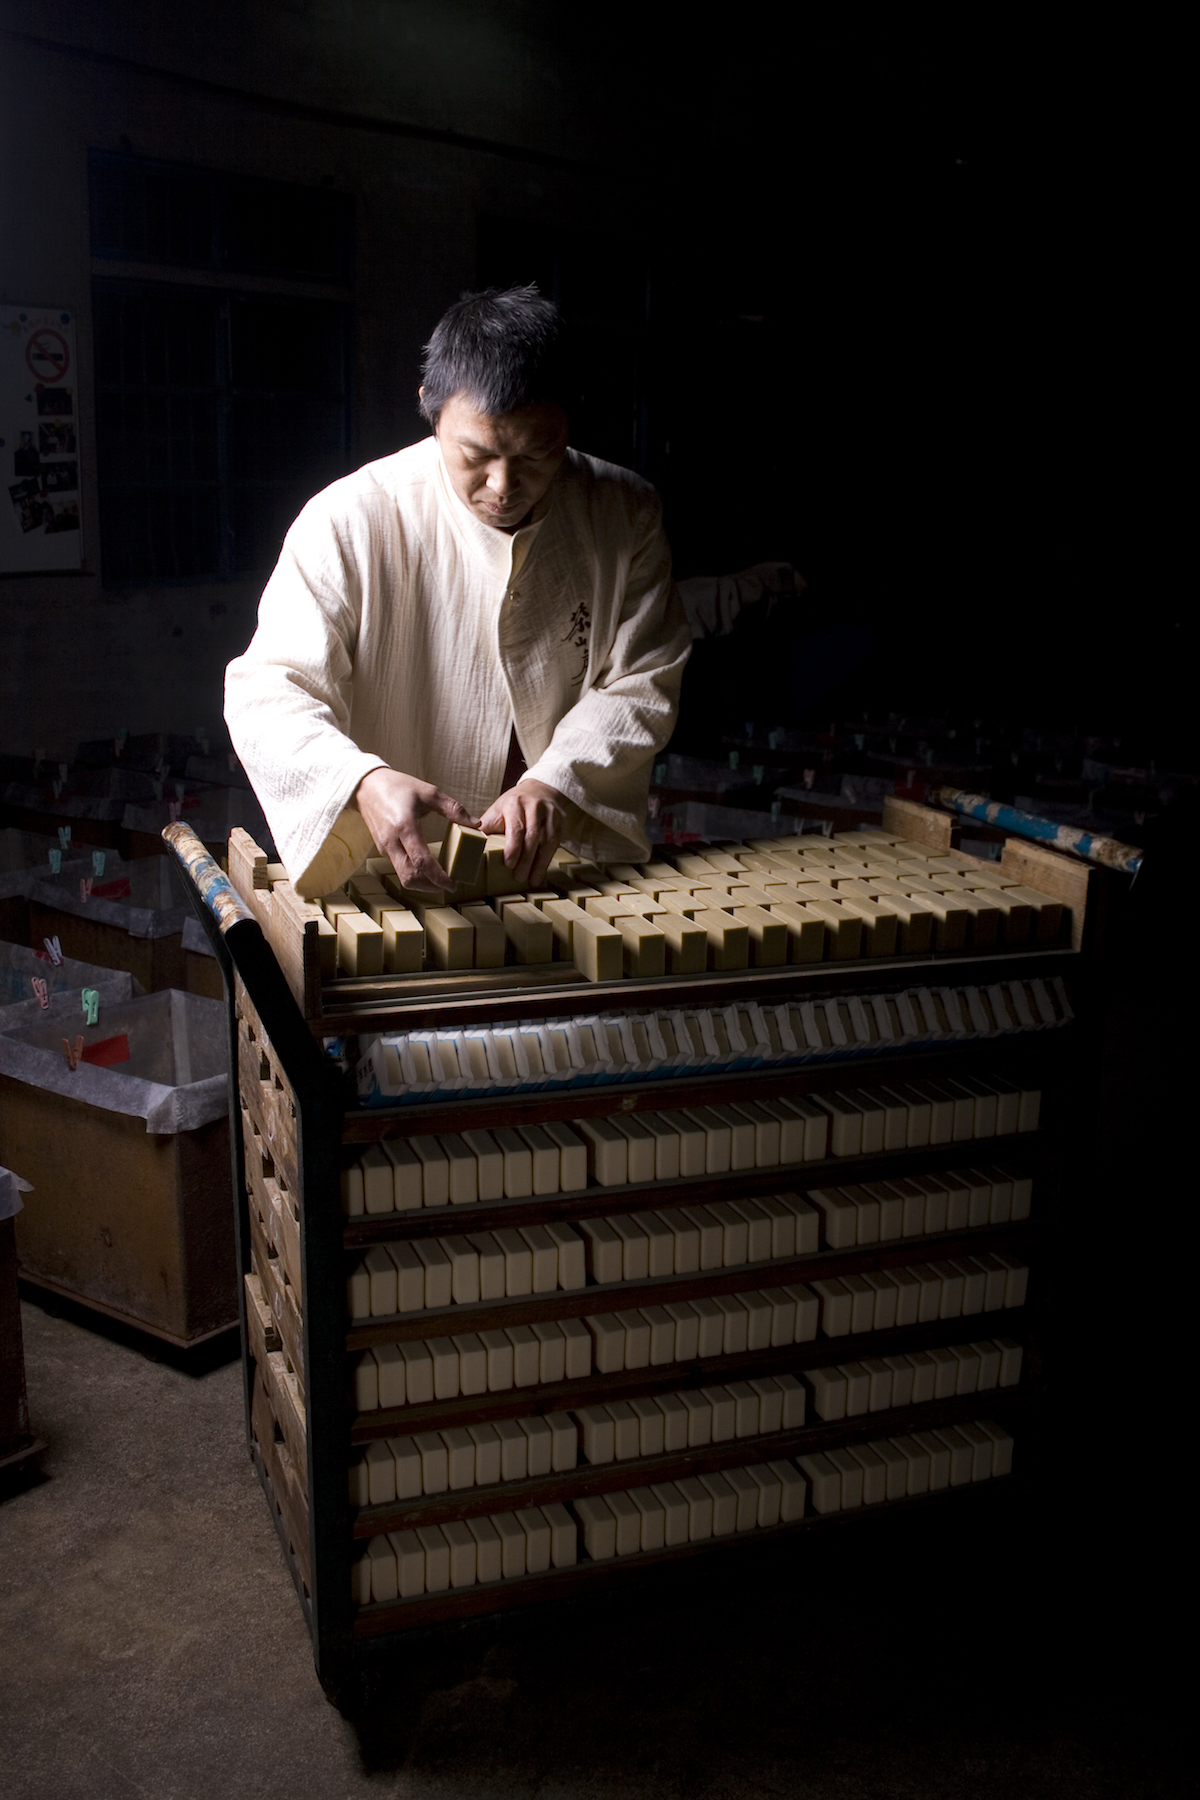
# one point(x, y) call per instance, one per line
point(107, 1051)
point(119, 889)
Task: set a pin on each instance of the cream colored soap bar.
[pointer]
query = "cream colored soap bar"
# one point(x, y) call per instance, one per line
point(607, 1151)
point(403, 940)
point(450, 938)
point(360, 944)
point(490, 937)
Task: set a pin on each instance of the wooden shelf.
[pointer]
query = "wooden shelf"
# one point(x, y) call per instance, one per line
point(663, 1290)
point(858, 1068)
point(604, 1478)
point(414, 1002)
point(528, 1590)
point(699, 1190)
point(669, 1378)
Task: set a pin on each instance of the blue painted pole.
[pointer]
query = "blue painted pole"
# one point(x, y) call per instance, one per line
point(1088, 844)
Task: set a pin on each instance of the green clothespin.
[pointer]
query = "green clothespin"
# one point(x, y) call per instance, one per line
point(91, 1006)
point(759, 774)
point(98, 860)
point(734, 759)
point(64, 836)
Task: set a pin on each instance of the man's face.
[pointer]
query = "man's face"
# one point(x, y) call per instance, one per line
point(501, 467)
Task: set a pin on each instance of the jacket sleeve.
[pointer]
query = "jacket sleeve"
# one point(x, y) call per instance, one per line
point(287, 705)
point(602, 753)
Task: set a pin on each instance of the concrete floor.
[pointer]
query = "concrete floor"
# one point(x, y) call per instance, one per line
point(153, 1646)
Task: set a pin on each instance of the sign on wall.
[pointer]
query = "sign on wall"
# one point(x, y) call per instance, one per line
point(40, 522)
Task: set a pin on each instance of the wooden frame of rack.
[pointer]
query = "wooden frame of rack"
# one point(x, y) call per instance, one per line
point(294, 1121)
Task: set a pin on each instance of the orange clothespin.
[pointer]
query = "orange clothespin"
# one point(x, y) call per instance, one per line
point(72, 1055)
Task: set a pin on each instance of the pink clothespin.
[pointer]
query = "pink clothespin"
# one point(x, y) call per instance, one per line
point(85, 887)
point(40, 992)
point(72, 1055)
point(174, 807)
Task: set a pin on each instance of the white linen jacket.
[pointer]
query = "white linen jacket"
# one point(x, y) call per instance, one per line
point(398, 630)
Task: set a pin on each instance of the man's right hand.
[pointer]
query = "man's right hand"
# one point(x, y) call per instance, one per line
point(393, 805)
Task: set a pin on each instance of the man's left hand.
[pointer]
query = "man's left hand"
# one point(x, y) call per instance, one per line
point(533, 817)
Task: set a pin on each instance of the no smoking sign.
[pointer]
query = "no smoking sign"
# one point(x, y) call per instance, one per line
point(47, 355)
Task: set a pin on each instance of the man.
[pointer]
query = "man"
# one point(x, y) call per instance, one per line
point(483, 602)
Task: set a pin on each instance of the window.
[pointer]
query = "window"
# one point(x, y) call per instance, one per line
point(219, 412)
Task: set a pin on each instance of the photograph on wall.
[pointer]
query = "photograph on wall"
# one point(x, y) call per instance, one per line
point(39, 448)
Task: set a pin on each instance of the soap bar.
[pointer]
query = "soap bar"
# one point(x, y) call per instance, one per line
point(544, 1257)
point(845, 1121)
point(435, 1170)
point(572, 1269)
point(825, 1482)
point(607, 1151)
point(875, 1473)
point(858, 1388)
point(717, 1139)
point(711, 1232)
point(829, 1390)
point(488, 1565)
point(572, 1151)
point(604, 1250)
point(527, 1356)
point(917, 1459)
point(489, 1163)
point(808, 1308)
point(518, 1163)
point(403, 940)
point(637, 1339)
point(518, 1263)
point(599, 1527)
point(641, 1149)
point(462, 853)
point(608, 1342)
point(839, 1216)
point(660, 1243)
point(925, 1371)
point(359, 944)
point(449, 937)
point(1002, 1446)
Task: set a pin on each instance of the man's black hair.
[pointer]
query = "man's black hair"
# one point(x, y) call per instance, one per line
point(502, 349)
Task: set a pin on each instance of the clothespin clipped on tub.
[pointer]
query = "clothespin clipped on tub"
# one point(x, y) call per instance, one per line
point(64, 837)
point(99, 857)
point(174, 807)
point(56, 862)
point(72, 1054)
point(40, 992)
point(58, 788)
point(91, 1006)
point(54, 951)
point(85, 887)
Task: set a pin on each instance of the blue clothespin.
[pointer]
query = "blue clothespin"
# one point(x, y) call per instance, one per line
point(54, 951)
point(98, 860)
point(64, 836)
point(91, 1006)
point(56, 862)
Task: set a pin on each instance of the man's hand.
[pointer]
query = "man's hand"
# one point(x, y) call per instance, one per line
point(393, 806)
point(532, 817)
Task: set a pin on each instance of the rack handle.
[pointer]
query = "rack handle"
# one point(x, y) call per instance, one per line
point(211, 883)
